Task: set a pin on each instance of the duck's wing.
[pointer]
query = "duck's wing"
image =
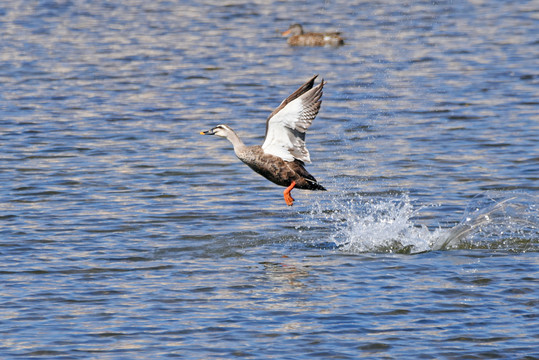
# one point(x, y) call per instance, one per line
point(286, 126)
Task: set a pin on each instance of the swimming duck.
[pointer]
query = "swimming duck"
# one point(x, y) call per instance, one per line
point(282, 156)
point(299, 38)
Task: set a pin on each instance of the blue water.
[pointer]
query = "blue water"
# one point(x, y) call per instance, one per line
point(127, 235)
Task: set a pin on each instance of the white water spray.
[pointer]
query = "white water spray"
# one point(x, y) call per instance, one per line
point(492, 221)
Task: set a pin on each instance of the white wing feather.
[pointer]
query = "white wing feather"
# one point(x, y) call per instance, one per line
point(285, 135)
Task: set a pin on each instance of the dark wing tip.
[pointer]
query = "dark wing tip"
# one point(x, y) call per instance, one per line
point(315, 94)
point(296, 94)
point(303, 88)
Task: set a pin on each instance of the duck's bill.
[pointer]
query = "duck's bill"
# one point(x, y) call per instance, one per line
point(285, 33)
point(209, 132)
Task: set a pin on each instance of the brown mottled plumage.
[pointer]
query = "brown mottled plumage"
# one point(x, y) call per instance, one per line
point(300, 38)
point(281, 158)
point(277, 170)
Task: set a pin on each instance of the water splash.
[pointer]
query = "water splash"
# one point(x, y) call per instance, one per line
point(496, 220)
point(491, 221)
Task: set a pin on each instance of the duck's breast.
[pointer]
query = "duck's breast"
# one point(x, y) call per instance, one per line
point(269, 166)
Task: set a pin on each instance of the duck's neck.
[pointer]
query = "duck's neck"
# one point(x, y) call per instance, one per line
point(236, 142)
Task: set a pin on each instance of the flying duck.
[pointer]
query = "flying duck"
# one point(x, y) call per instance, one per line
point(299, 38)
point(282, 156)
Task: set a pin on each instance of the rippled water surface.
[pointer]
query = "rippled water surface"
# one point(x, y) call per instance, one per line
point(126, 234)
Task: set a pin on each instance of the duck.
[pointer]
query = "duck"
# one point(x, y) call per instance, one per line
point(299, 38)
point(281, 158)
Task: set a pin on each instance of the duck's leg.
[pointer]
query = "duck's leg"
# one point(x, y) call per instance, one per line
point(287, 197)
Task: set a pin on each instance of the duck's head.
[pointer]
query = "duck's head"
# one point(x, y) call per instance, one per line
point(219, 130)
point(293, 30)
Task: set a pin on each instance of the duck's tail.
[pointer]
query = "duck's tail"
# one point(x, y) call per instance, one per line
point(315, 185)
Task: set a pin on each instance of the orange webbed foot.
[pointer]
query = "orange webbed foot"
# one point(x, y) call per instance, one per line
point(287, 197)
